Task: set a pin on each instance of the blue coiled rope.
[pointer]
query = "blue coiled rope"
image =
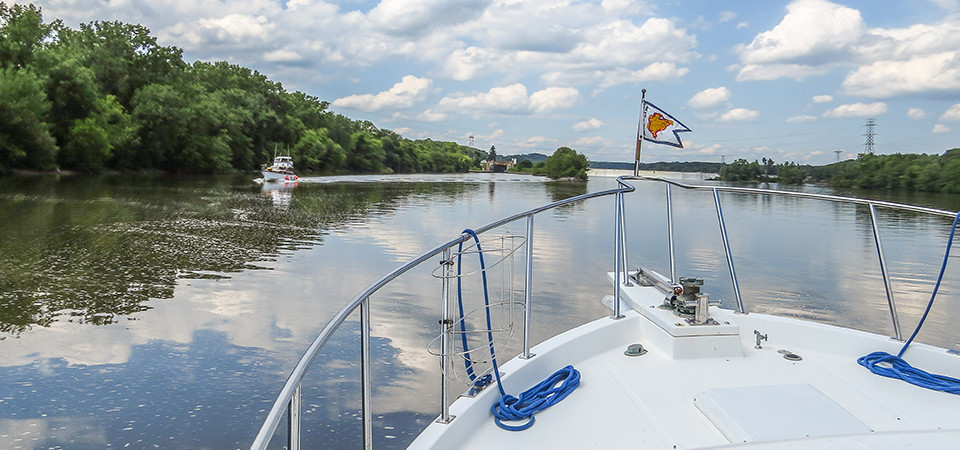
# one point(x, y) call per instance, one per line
point(533, 400)
point(538, 398)
point(896, 367)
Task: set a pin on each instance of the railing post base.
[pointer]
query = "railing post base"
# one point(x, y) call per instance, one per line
point(441, 420)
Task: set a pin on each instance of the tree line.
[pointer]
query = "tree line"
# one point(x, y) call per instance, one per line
point(107, 96)
point(898, 171)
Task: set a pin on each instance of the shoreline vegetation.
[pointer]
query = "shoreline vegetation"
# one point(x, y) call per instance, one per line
point(107, 98)
point(893, 172)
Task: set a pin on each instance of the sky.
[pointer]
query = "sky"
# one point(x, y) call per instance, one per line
point(788, 80)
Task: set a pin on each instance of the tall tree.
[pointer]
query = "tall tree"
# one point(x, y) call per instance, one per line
point(316, 152)
point(22, 34)
point(565, 163)
point(25, 139)
point(124, 57)
point(366, 153)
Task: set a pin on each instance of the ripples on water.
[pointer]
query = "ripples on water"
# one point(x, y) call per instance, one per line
point(167, 311)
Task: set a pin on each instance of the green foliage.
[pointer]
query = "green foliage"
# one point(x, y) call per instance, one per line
point(741, 170)
point(907, 172)
point(88, 147)
point(564, 163)
point(316, 152)
point(25, 140)
point(790, 173)
point(123, 57)
point(72, 91)
point(22, 35)
point(107, 96)
point(366, 153)
point(524, 164)
point(783, 173)
point(916, 172)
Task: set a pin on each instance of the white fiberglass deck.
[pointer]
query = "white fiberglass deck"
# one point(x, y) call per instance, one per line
point(714, 389)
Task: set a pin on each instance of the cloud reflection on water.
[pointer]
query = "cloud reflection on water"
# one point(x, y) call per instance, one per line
point(226, 343)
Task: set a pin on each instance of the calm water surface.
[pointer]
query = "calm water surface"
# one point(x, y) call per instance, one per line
point(167, 312)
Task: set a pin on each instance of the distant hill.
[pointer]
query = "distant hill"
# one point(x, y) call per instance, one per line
point(533, 157)
point(686, 166)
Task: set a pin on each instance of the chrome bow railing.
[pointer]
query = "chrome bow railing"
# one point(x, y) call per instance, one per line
point(716, 190)
point(288, 401)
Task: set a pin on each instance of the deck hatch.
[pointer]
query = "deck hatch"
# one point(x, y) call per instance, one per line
point(780, 412)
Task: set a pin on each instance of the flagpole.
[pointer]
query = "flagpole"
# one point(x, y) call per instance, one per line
point(636, 165)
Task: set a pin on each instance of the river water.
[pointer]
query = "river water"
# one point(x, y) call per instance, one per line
point(166, 312)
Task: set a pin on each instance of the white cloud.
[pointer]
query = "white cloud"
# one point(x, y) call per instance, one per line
point(726, 16)
point(589, 124)
point(506, 99)
point(536, 141)
point(512, 99)
point(404, 94)
point(822, 98)
point(621, 43)
point(950, 5)
point(534, 37)
point(952, 114)
point(922, 74)
point(517, 38)
point(712, 149)
point(817, 36)
point(605, 43)
point(417, 17)
point(916, 113)
point(588, 141)
point(711, 97)
point(468, 63)
point(625, 7)
point(282, 56)
point(812, 32)
point(857, 110)
point(757, 72)
point(940, 128)
point(801, 119)
point(553, 98)
point(659, 71)
point(237, 27)
point(739, 115)
point(881, 44)
point(431, 116)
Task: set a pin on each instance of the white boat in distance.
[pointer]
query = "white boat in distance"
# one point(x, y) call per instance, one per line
point(281, 170)
point(668, 368)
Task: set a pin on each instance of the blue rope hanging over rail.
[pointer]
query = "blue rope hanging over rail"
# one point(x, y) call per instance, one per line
point(538, 398)
point(896, 367)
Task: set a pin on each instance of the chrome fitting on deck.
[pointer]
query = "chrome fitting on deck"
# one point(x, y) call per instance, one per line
point(684, 298)
point(693, 304)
